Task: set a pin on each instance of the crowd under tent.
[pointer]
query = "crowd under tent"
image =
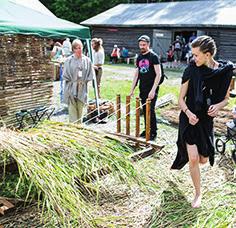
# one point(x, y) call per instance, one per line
point(25, 70)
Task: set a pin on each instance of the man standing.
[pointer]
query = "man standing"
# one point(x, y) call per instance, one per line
point(148, 73)
point(78, 71)
point(98, 61)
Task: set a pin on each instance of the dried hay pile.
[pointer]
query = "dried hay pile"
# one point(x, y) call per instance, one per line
point(63, 163)
point(25, 75)
point(225, 115)
point(118, 204)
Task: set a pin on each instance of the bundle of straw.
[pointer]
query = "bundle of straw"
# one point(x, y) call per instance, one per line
point(60, 159)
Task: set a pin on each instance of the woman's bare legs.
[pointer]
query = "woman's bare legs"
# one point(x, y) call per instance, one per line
point(194, 159)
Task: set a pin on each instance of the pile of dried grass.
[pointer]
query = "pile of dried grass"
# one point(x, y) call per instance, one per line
point(61, 161)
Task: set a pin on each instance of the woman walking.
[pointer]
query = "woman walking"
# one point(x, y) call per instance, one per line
point(204, 91)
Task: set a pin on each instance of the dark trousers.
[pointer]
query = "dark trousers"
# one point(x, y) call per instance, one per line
point(153, 118)
point(114, 59)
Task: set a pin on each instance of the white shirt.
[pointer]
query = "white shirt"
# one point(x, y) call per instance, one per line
point(67, 48)
point(98, 57)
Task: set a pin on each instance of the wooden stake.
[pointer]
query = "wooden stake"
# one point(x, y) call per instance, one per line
point(137, 127)
point(232, 84)
point(148, 119)
point(118, 113)
point(127, 115)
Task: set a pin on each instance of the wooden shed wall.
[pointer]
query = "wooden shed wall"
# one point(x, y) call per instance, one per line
point(123, 37)
point(127, 37)
point(25, 75)
point(226, 43)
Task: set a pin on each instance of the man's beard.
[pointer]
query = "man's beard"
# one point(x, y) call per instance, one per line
point(143, 50)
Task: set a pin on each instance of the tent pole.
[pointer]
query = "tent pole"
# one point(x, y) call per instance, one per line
point(88, 42)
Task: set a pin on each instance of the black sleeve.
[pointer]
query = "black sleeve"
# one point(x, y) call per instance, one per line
point(224, 85)
point(155, 60)
point(186, 75)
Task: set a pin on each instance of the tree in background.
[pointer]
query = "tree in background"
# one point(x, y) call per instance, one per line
point(80, 10)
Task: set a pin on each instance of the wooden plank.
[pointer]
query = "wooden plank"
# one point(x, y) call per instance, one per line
point(5, 205)
point(140, 140)
point(143, 153)
point(164, 100)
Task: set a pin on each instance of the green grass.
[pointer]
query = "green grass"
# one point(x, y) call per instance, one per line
point(14, 187)
point(218, 209)
point(112, 87)
point(171, 204)
point(73, 152)
point(117, 79)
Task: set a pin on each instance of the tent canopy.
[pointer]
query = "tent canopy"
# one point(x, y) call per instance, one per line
point(30, 17)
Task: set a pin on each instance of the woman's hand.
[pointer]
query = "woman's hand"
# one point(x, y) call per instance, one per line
point(213, 110)
point(192, 118)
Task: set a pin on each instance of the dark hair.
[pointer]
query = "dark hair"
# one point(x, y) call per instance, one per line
point(205, 44)
point(98, 44)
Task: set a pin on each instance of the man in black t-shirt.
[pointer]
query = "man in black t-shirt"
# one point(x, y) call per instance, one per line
point(148, 73)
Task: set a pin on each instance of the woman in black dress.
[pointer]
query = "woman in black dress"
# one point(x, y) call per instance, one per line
point(204, 91)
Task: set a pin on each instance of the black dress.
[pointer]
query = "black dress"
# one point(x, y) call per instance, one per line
point(206, 86)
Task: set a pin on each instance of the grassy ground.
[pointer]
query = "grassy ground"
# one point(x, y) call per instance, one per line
point(167, 203)
point(117, 79)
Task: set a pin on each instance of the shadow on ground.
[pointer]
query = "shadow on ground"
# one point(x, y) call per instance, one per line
point(173, 210)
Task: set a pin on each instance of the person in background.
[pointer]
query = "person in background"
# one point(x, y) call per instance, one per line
point(67, 48)
point(57, 51)
point(182, 39)
point(203, 93)
point(177, 44)
point(78, 71)
point(170, 57)
point(98, 61)
point(115, 54)
point(188, 52)
point(148, 73)
point(192, 37)
point(124, 53)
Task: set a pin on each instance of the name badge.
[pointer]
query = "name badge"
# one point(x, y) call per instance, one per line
point(80, 73)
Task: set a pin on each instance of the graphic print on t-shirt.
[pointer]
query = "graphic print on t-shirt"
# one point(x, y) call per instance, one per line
point(144, 66)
